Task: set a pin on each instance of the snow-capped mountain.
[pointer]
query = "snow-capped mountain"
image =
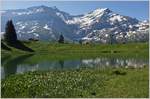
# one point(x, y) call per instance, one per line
point(100, 25)
point(44, 23)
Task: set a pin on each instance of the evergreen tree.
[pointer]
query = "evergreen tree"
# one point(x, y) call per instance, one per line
point(124, 38)
point(80, 42)
point(10, 35)
point(61, 39)
point(111, 38)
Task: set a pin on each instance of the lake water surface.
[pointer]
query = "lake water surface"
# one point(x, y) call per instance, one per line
point(25, 63)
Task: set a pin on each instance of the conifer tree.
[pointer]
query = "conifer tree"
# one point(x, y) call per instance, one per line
point(61, 39)
point(10, 35)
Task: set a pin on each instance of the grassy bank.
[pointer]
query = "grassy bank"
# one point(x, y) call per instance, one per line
point(77, 50)
point(85, 82)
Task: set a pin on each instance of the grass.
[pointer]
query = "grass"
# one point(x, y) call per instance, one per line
point(84, 82)
point(56, 50)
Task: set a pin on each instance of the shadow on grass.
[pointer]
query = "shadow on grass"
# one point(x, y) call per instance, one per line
point(117, 72)
point(3, 46)
point(21, 46)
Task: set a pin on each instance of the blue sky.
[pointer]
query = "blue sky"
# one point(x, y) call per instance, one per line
point(136, 9)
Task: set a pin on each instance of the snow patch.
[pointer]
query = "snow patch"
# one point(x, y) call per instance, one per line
point(117, 18)
point(22, 27)
point(46, 27)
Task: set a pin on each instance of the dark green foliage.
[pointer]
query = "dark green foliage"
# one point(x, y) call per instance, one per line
point(80, 41)
point(61, 39)
point(10, 35)
point(124, 38)
point(112, 39)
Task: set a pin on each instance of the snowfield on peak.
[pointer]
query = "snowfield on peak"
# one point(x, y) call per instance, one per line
point(101, 25)
point(90, 18)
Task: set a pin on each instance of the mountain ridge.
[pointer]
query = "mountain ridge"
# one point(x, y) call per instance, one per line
point(47, 23)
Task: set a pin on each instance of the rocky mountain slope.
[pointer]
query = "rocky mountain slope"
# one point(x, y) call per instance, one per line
point(101, 25)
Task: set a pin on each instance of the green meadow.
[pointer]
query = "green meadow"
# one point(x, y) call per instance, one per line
point(56, 49)
point(128, 83)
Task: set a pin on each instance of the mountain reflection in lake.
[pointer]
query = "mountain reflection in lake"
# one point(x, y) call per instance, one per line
point(26, 63)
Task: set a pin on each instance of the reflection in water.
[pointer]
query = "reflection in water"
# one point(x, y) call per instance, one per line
point(61, 62)
point(4, 59)
point(10, 66)
point(22, 64)
point(117, 62)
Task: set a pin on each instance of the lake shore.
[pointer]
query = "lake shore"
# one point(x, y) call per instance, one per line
point(84, 82)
